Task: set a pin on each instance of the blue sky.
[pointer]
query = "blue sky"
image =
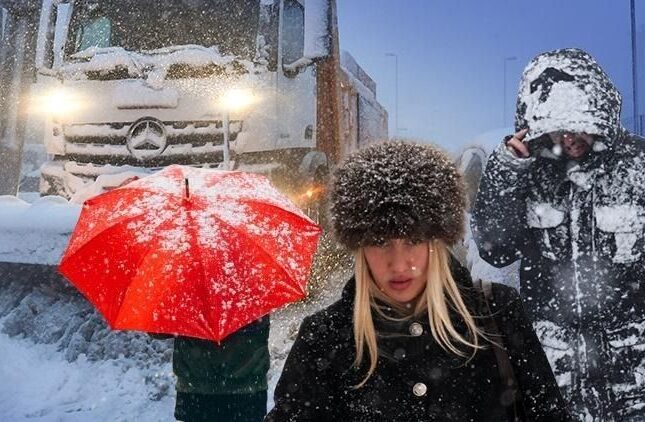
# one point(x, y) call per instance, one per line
point(451, 55)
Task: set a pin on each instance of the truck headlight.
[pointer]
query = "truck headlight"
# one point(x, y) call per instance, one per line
point(58, 102)
point(237, 99)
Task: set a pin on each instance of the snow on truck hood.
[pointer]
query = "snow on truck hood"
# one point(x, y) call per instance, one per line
point(98, 63)
point(567, 90)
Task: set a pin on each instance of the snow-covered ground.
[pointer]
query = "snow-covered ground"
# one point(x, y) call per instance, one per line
point(62, 363)
point(39, 384)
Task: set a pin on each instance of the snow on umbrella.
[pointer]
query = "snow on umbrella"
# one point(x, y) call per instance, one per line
point(189, 251)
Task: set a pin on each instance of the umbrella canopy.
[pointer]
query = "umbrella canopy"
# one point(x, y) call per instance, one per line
point(191, 252)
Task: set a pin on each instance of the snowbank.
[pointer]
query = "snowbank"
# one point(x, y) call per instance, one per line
point(35, 233)
point(38, 384)
point(66, 364)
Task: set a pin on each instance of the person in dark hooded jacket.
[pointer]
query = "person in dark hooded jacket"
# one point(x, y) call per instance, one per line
point(408, 340)
point(566, 195)
point(225, 381)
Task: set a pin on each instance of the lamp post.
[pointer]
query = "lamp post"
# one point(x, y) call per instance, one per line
point(226, 153)
point(396, 91)
point(506, 60)
point(637, 127)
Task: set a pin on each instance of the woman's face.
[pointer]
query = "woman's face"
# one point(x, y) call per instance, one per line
point(399, 268)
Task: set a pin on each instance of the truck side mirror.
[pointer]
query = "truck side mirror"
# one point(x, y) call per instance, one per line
point(306, 34)
point(317, 29)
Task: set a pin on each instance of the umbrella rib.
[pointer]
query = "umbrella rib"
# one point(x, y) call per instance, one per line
point(154, 246)
point(125, 292)
point(116, 223)
point(87, 245)
point(199, 260)
point(245, 235)
point(91, 239)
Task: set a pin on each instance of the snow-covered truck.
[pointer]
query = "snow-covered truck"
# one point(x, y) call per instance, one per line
point(255, 85)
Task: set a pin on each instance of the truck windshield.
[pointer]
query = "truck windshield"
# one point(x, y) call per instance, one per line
point(230, 25)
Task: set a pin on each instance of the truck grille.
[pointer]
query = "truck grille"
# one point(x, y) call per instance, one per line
point(183, 142)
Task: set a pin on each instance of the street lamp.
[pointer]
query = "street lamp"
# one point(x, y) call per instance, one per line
point(396, 91)
point(637, 127)
point(506, 60)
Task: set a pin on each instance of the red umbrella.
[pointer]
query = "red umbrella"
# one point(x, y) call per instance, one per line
point(189, 251)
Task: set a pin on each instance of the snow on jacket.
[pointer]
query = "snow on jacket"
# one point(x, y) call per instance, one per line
point(415, 379)
point(578, 228)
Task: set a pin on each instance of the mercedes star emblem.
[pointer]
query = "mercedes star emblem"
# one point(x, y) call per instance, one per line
point(147, 139)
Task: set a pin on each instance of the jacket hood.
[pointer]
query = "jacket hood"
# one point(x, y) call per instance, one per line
point(566, 90)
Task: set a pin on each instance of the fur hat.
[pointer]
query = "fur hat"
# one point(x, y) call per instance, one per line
point(397, 190)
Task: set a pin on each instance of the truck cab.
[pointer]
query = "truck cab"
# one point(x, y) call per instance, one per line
point(231, 84)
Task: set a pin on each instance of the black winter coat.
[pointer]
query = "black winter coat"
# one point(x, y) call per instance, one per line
point(415, 379)
point(579, 229)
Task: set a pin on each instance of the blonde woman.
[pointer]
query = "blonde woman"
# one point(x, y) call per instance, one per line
point(411, 339)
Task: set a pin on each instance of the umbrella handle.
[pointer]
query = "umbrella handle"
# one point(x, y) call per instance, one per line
point(187, 190)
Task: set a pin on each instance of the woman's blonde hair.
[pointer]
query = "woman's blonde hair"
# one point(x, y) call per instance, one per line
point(441, 294)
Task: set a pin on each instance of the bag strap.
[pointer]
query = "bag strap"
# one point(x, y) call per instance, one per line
point(506, 372)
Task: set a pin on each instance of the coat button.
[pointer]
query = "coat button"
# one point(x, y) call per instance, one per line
point(419, 389)
point(416, 329)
